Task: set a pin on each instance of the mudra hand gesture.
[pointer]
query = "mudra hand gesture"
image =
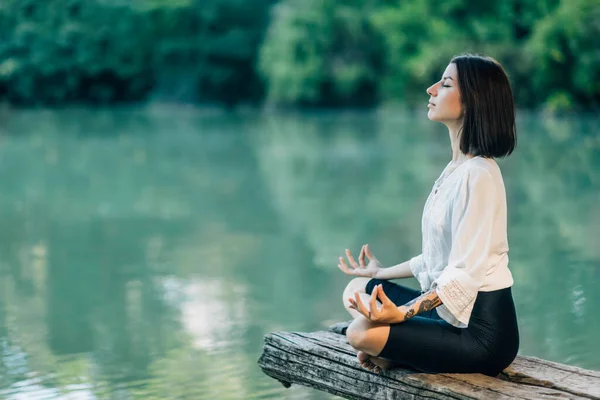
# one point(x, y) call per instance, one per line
point(369, 270)
point(387, 314)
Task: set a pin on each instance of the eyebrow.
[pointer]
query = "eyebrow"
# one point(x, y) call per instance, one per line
point(447, 77)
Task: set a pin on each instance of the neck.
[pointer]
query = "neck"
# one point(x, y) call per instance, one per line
point(457, 155)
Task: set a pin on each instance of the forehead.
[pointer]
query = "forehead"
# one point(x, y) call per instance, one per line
point(450, 71)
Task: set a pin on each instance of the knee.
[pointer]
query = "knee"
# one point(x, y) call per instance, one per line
point(356, 333)
point(355, 285)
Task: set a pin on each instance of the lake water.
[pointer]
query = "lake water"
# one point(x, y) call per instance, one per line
point(145, 253)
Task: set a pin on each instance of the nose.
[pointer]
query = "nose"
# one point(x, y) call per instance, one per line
point(432, 90)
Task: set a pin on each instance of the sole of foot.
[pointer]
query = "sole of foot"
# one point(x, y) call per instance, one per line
point(365, 361)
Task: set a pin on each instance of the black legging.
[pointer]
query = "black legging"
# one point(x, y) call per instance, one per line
point(428, 343)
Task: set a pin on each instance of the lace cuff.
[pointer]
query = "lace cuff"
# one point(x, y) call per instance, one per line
point(458, 291)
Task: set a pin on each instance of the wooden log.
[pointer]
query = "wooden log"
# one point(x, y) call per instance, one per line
point(325, 361)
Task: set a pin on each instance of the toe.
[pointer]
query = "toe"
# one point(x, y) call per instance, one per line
point(362, 356)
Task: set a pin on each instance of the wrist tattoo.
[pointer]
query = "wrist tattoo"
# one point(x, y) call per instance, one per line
point(410, 303)
point(428, 304)
point(421, 304)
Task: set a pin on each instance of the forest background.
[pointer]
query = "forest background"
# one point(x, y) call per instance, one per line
point(292, 53)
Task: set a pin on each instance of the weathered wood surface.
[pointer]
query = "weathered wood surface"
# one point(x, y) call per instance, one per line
point(325, 361)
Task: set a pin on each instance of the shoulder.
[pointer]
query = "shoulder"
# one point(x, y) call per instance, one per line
point(482, 163)
point(481, 175)
point(482, 169)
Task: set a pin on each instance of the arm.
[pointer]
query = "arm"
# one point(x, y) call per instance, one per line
point(425, 302)
point(389, 313)
point(396, 272)
point(407, 269)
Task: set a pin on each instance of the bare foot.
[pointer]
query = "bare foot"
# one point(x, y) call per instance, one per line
point(364, 360)
point(383, 364)
point(375, 364)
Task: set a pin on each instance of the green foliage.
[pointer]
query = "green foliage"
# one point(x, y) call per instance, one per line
point(66, 50)
point(72, 50)
point(322, 53)
point(412, 42)
point(310, 53)
point(566, 52)
point(213, 41)
point(407, 44)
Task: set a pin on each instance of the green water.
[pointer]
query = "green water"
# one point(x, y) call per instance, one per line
point(144, 253)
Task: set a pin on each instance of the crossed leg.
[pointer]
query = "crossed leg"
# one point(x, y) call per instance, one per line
point(365, 336)
point(425, 342)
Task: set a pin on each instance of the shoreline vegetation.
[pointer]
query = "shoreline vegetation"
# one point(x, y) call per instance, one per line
point(291, 54)
point(393, 111)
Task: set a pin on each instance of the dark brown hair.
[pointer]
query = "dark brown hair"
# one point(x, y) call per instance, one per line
point(488, 105)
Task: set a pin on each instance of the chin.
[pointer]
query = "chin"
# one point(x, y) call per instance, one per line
point(431, 116)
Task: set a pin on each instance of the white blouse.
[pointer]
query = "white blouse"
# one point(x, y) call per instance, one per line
point(465, 245)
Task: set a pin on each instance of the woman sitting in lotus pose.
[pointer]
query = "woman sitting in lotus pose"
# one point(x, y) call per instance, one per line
point(463, 320)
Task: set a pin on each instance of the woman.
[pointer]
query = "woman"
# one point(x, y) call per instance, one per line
point(464, 319)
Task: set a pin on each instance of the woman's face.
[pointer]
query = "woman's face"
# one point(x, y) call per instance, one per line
point(444, 102)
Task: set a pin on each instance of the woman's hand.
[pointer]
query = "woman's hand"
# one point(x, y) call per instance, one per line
point(369, 270)
point(387, 314)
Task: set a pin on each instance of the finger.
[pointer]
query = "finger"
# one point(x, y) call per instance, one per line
point(368, 252)
point(361, 307)
point(352, 303)
point(383, 297)
point(363, 311)
point(351, 259)
point(361, 257)
point(343, 264)
point(374, 310)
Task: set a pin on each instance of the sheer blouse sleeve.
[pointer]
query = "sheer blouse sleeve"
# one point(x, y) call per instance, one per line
point(417, 265)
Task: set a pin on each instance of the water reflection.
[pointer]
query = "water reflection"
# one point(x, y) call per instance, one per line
point(206, 317)
point(145, 253)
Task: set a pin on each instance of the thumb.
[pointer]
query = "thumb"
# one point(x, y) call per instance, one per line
point(384, 299)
